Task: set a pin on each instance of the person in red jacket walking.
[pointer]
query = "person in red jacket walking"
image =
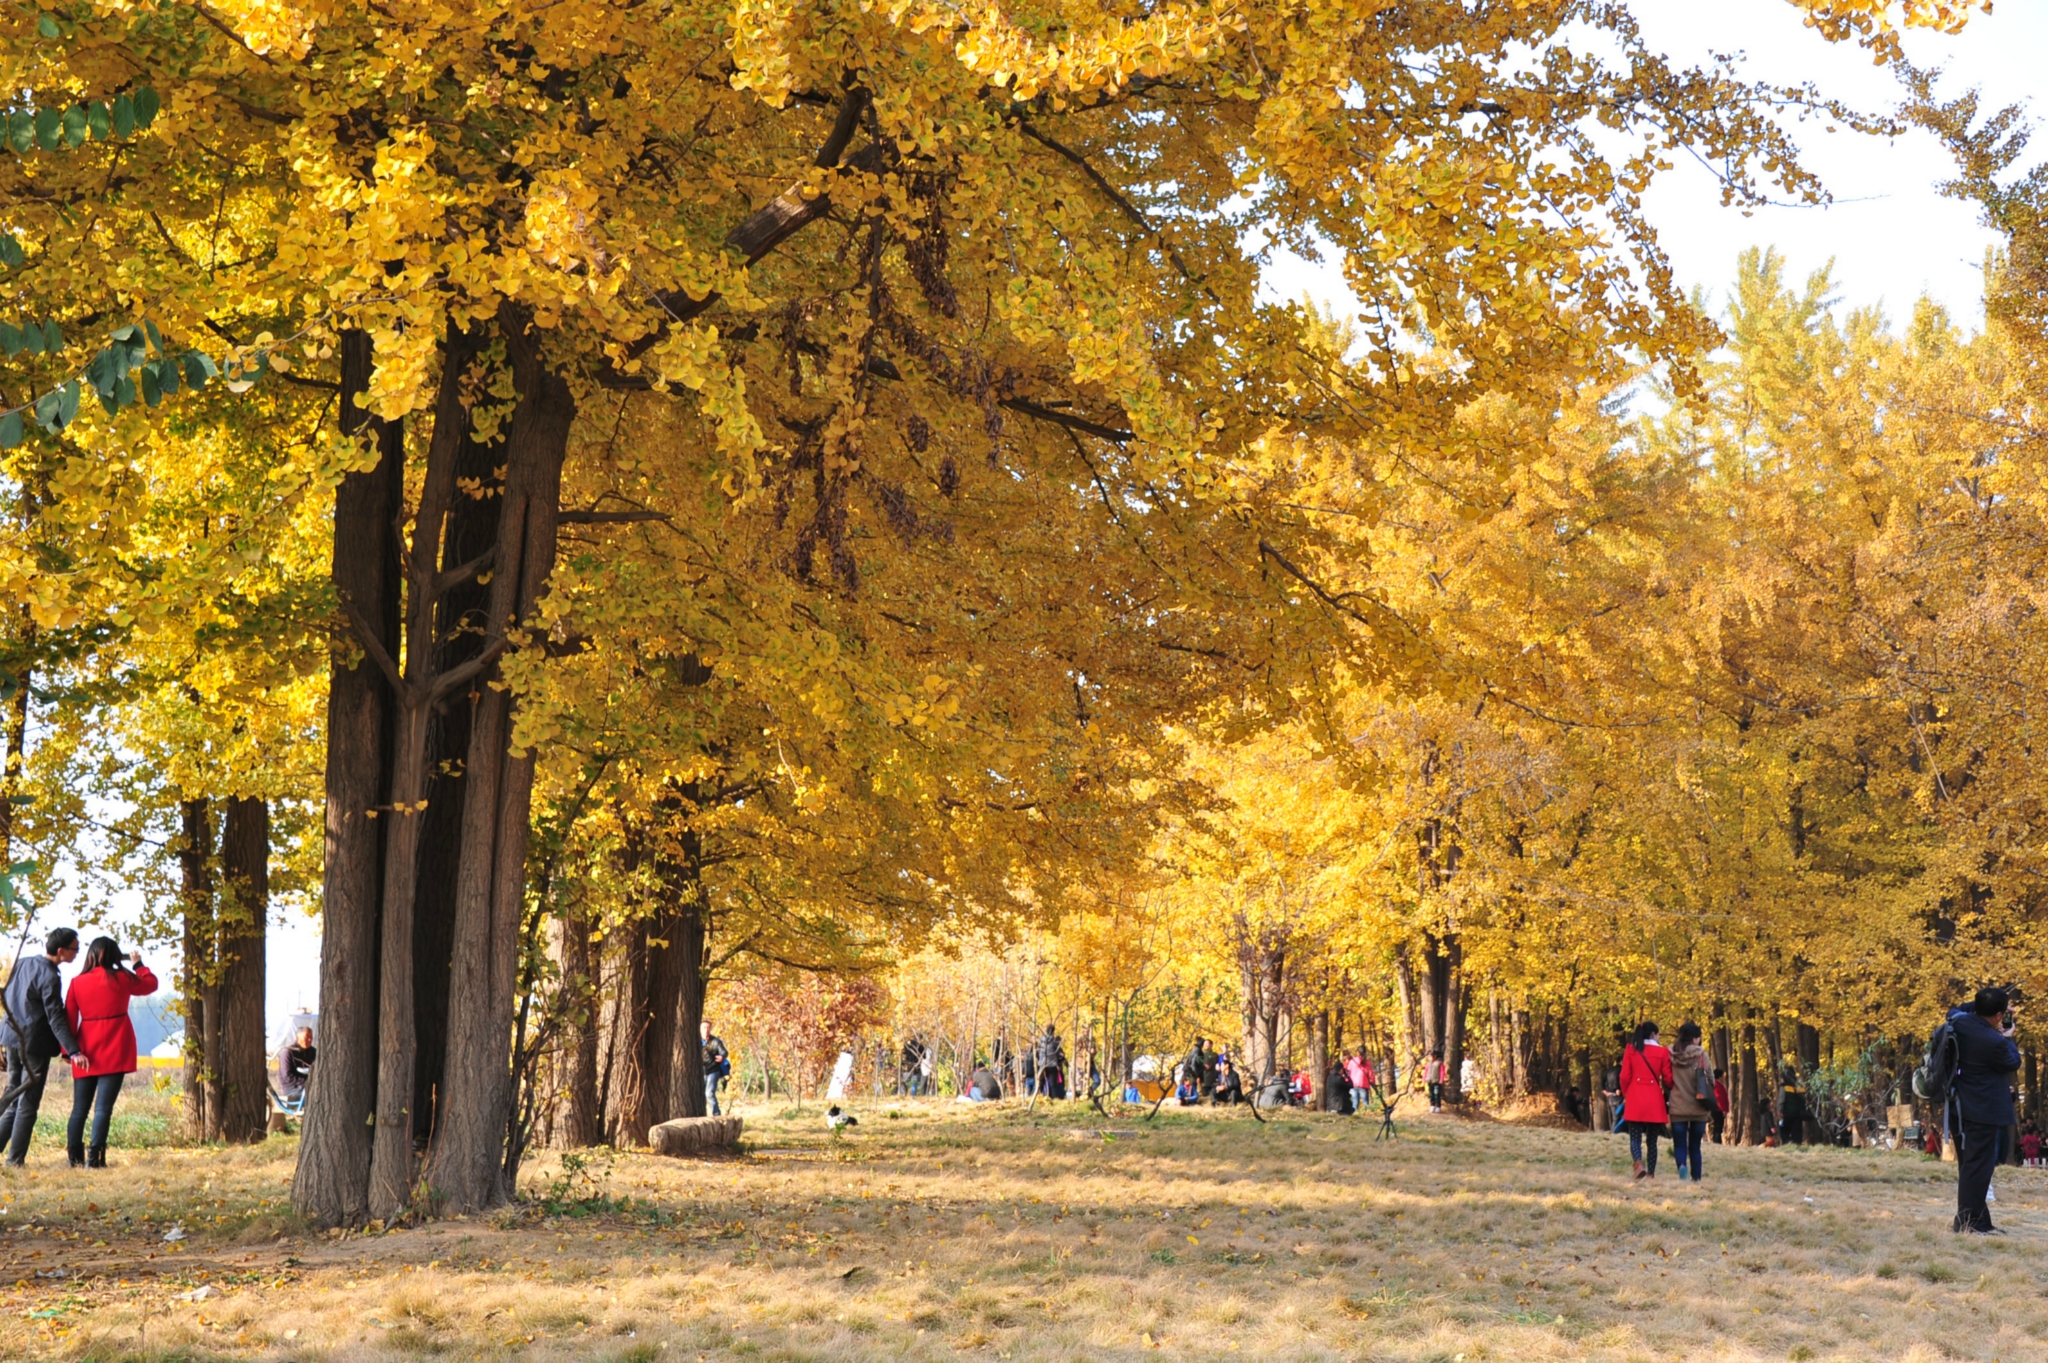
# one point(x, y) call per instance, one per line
point(1645, 1080)
point(98, 1007)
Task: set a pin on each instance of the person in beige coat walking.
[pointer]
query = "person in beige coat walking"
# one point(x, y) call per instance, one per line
point(1692, 1099)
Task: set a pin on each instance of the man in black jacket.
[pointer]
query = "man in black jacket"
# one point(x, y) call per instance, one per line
point(42, 1031)
point(1981, 1100)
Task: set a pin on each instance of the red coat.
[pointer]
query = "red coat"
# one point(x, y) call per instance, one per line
point(1645, 1078)
point(98, 1005)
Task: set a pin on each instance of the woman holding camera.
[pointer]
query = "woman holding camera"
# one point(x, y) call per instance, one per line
point(98, 1005)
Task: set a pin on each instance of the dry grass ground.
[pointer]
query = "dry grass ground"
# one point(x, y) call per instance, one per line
point(985, 1232)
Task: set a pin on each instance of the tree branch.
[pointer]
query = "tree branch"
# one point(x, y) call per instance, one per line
point(1116, 196)
point(374, 647)
point(455, 678)
point(1026, 407)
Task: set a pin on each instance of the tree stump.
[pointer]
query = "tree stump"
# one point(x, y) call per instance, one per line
point(694, 1135)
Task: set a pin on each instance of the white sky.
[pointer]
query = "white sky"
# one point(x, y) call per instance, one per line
point(1891, 237)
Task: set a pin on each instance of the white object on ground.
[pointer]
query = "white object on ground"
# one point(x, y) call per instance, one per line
point(206, 1293)
point(174, 1235)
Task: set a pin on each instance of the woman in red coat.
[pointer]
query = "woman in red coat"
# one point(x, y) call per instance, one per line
point(98, 1005)
point(1645, 1079)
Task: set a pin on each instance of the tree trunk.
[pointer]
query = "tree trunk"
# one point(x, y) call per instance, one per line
point(473, 1165)
point(244, 915)
point(582, 1113)
point(17, 733)
point(1454, 1021)
point(332, 1183)
point(1520, 1046)
point(1319, 1061)
point(1413, 1009)
point(1751, 1100)
point(195, 971)
point(1430, 1004)
point(1583, 1063)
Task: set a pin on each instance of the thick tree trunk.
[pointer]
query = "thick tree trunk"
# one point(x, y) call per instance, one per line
point(1430, 1004)
point(17, 732)
point(1751, 1100)
point(685, 887)
point(195, 971)
point(1582, 1063)
point(1412, 1011)
point(471, 1166)
point(1454, 1021)
point(331, 1186)
point(243, 1061)
point(1520, 1044)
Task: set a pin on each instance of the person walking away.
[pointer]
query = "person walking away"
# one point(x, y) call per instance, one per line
point(1645, 1079)
point(295, 1067)
point(1720, 1117)
point(1045, 1062)
point(1434, 1075)
point(97, 1005)
point(1610, 1095)
point(1692, 1099)
point(1980, 1102)
point(717, 1061)
point(1359, 1077)
point(35, 1000)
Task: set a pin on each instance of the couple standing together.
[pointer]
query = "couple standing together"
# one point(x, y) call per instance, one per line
point(1667, 1090)
point(90, 1028)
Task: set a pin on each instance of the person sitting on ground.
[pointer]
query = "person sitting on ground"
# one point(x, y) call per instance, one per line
point(1300, 1088)
point(982, 1086)
point(35, 1000)
point(97, 1007)
point(1187, 1095)
point(295, 1066)
point(1228, 1089)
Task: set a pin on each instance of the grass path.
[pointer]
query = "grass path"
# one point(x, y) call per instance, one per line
point(948, 1232)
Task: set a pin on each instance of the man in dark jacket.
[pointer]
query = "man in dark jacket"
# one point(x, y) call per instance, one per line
point(1981, 1102)
point(42, 1032)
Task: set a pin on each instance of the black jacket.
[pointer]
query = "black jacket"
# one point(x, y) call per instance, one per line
point(35, 999)
point(1983, 1088)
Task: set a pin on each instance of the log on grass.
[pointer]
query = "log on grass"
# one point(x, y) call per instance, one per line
point(694, 1135)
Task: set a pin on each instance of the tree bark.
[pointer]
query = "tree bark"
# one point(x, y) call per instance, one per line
point(582, 1115)
point(1751, 1098)
point(1454, 1021)
point(1520, 1048)
point(195, 970)
point(1319, 1061)
point(691, 929)
point(470, 1163)
point(17, 734)
point(243, 1061)
point(332, 1182)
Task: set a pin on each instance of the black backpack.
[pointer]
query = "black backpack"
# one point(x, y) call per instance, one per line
point(1937, 1072)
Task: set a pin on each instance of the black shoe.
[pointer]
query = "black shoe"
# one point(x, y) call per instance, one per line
point(96, 1158)
point(77, 1153)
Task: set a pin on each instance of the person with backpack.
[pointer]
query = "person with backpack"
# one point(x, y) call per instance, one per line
point(1692, 1099)
point(717, 1063)
point(1973, 1067)
point(1645, 1080)
point(42, 1031)
point(97, 1007)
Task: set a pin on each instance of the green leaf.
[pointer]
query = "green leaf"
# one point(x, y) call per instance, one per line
point(47, 26)
point(11, 339)
point(53, 339)
point(155, 337)
point(127, 331)
point(10, 430)
point(68, 400)
point(124, 391)
point(11, 254)
point(198, 369)
point(46, 409)
point(32, 337)
point(124, 114)
point(151, 394)
point(167, 376)
point(49, 128)
point(99, 121)
point(21, 131)
point(145, 107)
point(74, 126)
point(103, 371)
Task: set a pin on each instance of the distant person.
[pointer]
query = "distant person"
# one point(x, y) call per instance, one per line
point(1229, 1089)
point(717, 1062)
point(1435, 1074)
point(1645, 1079)
point(1299, 1088)
point(1691, 1100)
point(912, 1074)
point(295, 1067)
point(1337, 1089)
point(2030, 1146)
point(1610, 1089)
point(1201, 1063)
point(982, 1086)
point(1720, 1117)
point(1047, 1058)
point(1187, 1093)
point(1358, 1076)
point(1792, 1109)
point(97, 1007)
point(1575, 1106)
point(1980, 1100)
point(35, 1000)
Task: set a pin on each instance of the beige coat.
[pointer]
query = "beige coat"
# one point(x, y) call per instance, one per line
point(1687, 1060)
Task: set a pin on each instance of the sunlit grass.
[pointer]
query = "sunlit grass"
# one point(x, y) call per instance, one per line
point(951, 1231)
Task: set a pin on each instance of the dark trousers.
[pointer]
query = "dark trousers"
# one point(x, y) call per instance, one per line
point(14, 1077)
point(1638, 1132)
point(1685, 1146)
point(35, 1073)
point(96, 1095)
point(1976, 1159)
